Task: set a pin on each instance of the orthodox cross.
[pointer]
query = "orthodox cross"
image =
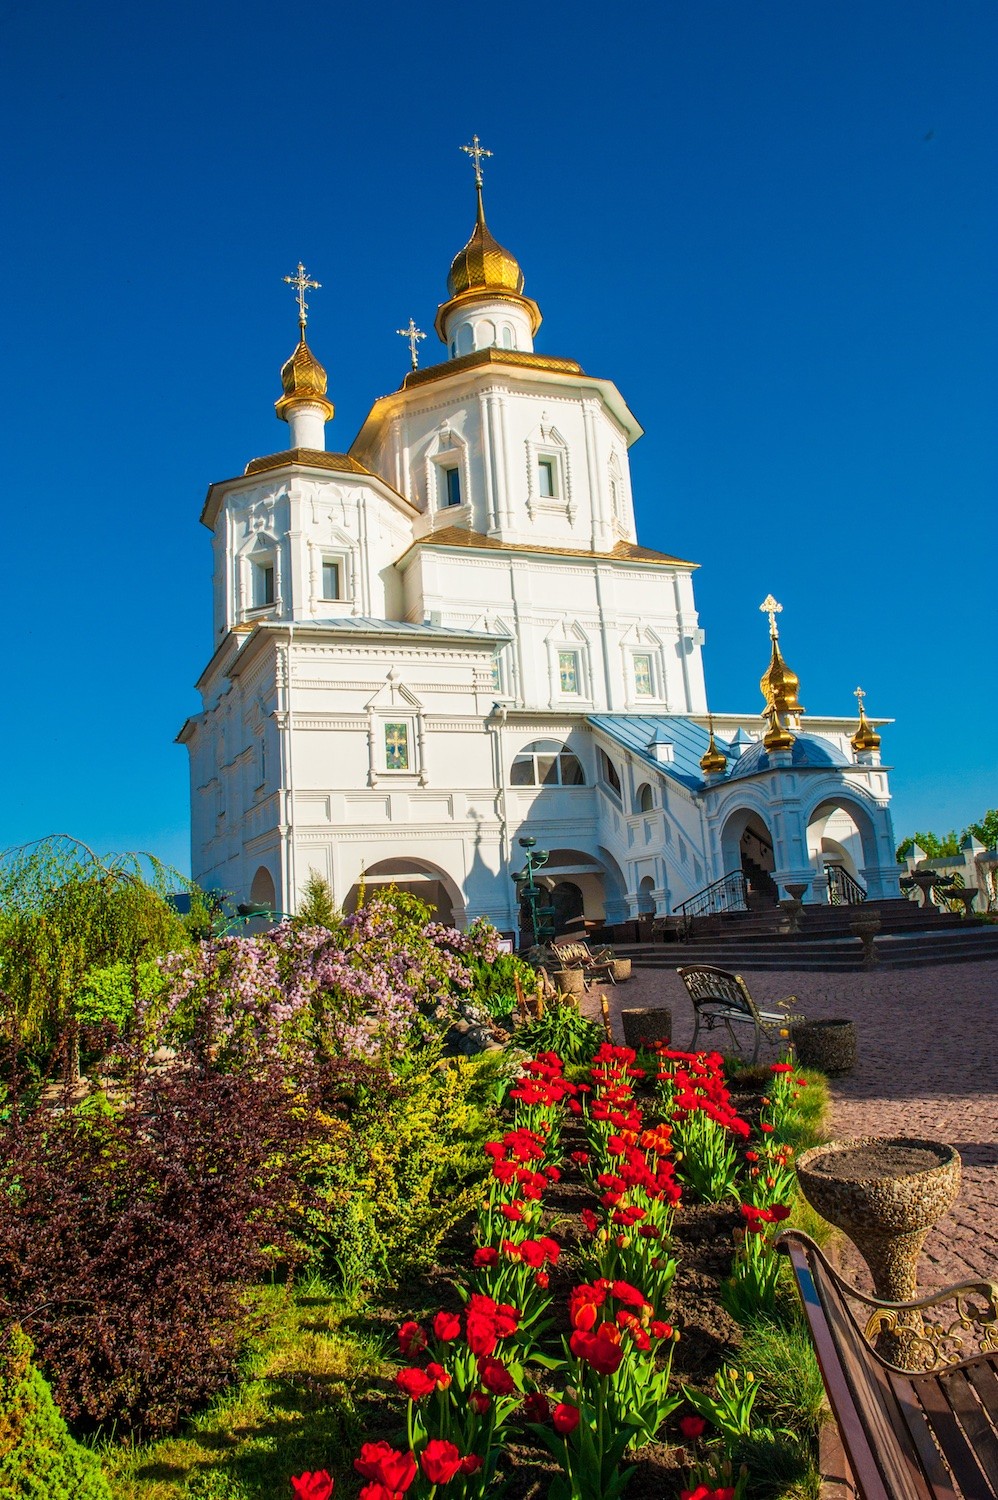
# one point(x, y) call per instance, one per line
point(770, 607)
point(476, 151)
point(859, 695)
point(302, 284)
point(413, 334)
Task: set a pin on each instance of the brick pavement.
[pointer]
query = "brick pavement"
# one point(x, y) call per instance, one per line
point(928, 1066)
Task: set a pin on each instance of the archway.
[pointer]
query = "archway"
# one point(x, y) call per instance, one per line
point(747, 846)
point(569, 905)
point(841, 836)
point(644, 798)
point(646, 897)
point(416, 877)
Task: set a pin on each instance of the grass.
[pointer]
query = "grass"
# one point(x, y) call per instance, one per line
point(312, 1388)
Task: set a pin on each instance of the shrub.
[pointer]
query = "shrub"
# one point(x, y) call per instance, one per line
point(399, 1163)
point(563, 1030)
point(130, 1232)
point(38, 1458)
point(493, 983)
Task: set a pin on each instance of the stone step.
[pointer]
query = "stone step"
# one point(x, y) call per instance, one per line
point(895, 951)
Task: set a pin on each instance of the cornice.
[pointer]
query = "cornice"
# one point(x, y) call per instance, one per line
point(454, 538)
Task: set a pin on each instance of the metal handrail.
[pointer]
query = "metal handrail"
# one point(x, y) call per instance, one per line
point(842, 889)
point(729, 893)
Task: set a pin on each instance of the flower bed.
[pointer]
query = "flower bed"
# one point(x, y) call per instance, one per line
point(559, 1370)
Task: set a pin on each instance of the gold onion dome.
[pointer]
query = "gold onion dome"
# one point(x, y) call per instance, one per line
point(780, 685)
point(777, 736)
point(482, 267)
point(866, 737)
point(713, 762)
point(303, 379)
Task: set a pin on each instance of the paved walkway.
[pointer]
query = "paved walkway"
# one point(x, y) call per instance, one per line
point(928, 1066)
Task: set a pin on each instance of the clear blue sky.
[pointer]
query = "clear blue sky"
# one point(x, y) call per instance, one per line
point(772, 223)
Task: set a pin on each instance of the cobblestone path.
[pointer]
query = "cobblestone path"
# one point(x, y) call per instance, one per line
point(928, 1066)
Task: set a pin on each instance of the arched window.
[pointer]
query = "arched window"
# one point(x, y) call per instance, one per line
point(546, 763)
point(644, 800)
point(507, 337)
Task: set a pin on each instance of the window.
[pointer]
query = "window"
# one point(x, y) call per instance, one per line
point(546, 763)
point(644, 799)
point(452, 486)
point(330, 579)
point(397, 746)
point(262, 584)
point(568, 671)
point(545, 478)
point(644, 686)
point(507, 338)
point(608, 771)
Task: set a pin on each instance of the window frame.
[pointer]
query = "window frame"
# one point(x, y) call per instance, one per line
point(556, 752)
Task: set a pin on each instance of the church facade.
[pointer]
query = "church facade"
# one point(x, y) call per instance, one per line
point(450, 638)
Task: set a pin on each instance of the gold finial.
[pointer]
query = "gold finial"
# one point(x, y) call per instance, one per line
point(476, 151)
point(303, 378)
point(866, 737)
point(770, 607)
point(713, 762)
point(778, 684)
point(302, 284)
point(413, 334)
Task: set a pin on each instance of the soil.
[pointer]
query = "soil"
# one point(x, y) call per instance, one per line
point(875, 1163)
point(702, 1244)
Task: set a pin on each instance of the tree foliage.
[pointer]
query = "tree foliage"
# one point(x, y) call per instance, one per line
point(38, 1458)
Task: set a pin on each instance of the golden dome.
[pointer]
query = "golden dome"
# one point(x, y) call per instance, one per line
point(483, 263)
point(779, 685)
point(866, 737)
point(777, 736)
point(485, 267)
point(303, 379)
point(713, 762)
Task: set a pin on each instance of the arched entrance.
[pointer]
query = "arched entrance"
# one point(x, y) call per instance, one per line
point(841, 837)
point(416, 877)
point(747, 845)
point(569, 904)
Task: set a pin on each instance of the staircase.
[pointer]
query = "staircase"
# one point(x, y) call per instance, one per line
point(762, 890)
point(909, 935)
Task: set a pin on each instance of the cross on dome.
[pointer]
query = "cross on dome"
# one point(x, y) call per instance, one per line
point(413, 334)
point(859, 695)
point(770, 607)
point(476, 151)
point(302, 284)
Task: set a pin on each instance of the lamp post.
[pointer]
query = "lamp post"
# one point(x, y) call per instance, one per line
point(530, 894)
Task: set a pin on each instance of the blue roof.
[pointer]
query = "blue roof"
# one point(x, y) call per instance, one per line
point(636, 732)
point(808, 751)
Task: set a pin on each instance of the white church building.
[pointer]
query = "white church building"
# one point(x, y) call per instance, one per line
point(449, 638)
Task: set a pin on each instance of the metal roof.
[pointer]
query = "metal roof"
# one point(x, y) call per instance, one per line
point(636, 732)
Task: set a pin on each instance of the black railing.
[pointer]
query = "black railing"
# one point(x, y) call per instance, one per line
point(842, 889)
point(726, 894)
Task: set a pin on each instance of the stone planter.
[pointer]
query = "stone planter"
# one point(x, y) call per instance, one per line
point(570, 982)
point(650, 1024)
point(621, 970)
point(866, 929)
point(829, 1046)
point(885, 1193)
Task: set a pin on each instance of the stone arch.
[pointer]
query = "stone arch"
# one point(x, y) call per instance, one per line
point(417, 877)
point(616, 888)
point(646, 896)
point(842, 829)
point(263, 891)
point(569, 904)
point(747, 845)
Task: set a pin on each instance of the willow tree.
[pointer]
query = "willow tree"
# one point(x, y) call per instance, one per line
point(65, 912)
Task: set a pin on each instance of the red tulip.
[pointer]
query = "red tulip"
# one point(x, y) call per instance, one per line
point(412, 1339)
point(691, 1427)
point(382, 1462)
point(317, 1486)
point(440, 1461)
point(446, 1326)
point(565, 1418)
point(415, 1383)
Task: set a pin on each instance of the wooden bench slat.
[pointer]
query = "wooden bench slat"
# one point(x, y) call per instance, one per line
point(959, 1455)
point(855, 1438)
point(977, 1422)
point(984, 1378)
point(878, 1402)
point(939, 1477)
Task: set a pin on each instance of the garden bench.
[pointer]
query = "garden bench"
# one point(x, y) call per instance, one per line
point(929, 1432)
point(579, 955)
point(723, 999)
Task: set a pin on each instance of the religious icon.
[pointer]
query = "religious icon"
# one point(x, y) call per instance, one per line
point(397, 747)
